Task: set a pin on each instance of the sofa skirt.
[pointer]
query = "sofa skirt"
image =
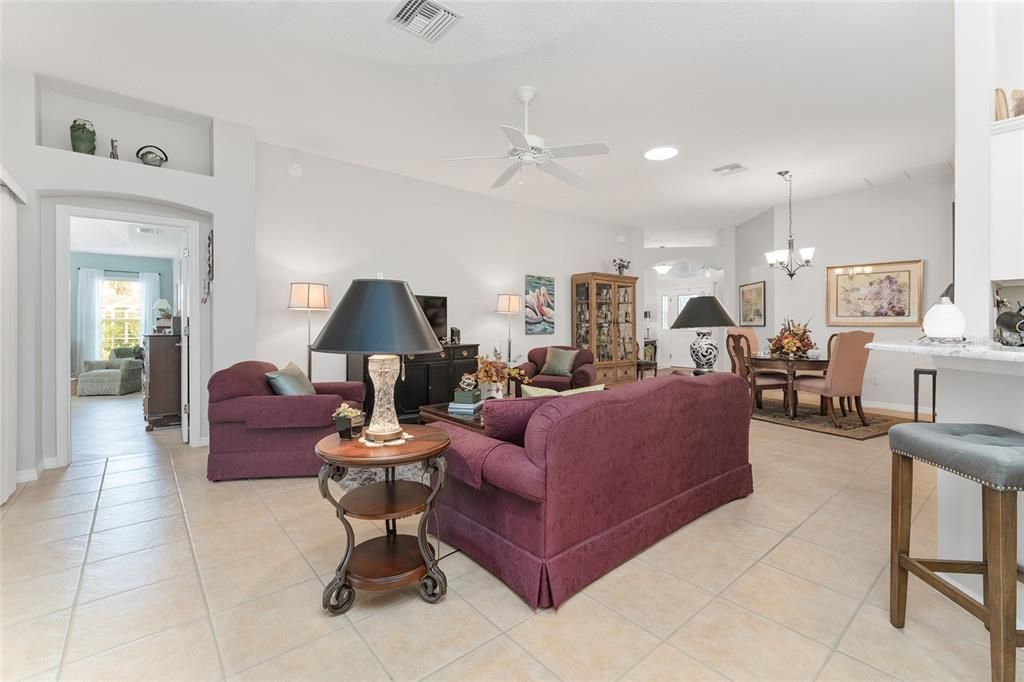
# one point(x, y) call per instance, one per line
point(549, 582)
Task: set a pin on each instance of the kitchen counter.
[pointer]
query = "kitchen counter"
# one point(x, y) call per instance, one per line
point(970, 350)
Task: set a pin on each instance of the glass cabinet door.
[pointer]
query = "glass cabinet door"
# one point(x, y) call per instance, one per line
point(581, 314)
point(604, 312)
point(625, 343)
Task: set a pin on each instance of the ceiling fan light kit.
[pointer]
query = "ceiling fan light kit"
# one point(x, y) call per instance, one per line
point(526, 149)
point(789, 260)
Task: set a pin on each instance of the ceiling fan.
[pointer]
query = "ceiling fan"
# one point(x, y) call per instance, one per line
point(530, 150)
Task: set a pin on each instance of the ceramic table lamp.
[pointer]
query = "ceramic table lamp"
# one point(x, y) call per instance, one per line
point(702, 313)
point(380, 318)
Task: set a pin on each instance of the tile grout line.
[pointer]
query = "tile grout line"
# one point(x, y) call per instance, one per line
point(78, 586)
point(199, 573)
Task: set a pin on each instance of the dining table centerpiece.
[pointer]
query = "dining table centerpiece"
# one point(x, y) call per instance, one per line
point(792, 341)
point(493, 374)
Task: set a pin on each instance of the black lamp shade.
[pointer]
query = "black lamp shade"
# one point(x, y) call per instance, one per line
point(703, 311)
point(377, 316)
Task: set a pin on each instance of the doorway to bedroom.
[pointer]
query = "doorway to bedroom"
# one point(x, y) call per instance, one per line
point(125, 306)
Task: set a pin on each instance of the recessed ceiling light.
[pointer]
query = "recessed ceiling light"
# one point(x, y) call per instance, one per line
point(661, 153)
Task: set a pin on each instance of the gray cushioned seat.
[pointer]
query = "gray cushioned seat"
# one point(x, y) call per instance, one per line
point(990, 455)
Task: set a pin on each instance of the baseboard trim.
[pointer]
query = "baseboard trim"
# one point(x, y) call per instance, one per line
point(897, 407)
point(28, 475)
point(203, 442)
point(50, 463)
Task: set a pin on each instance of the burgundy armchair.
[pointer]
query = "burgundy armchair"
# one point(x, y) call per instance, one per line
point(583, 371)
point(255, 433)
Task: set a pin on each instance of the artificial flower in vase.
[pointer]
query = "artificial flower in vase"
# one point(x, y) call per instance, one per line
point(793, 340)
point(492, 375)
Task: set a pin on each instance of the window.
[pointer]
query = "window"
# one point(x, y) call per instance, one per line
point(664, 312)
point(120, 314)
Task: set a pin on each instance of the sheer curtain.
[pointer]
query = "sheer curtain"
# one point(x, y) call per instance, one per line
point(150, 295)
point(87, 327)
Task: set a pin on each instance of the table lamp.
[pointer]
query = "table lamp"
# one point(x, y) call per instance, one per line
point(379, 318)
point(308, 296)
point(702, 313)
point(509, 305)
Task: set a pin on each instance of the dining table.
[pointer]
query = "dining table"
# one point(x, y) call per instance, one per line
point(790, 364)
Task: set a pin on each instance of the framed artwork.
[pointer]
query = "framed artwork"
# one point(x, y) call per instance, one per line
point(875, 294)
point(752, 304)
point(539, 305)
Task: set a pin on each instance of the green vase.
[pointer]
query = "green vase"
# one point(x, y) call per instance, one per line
point(83, 136)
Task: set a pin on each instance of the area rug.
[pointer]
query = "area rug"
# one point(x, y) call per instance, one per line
point(807, 418)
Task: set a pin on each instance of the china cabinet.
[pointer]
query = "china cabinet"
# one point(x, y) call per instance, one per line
point(604, 321)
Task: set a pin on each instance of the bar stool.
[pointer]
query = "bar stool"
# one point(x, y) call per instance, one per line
point(934, 374)
point(989, 455)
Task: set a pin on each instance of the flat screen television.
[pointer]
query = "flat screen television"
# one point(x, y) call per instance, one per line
point(436, 310)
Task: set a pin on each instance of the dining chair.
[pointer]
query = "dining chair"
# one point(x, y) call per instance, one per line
point(845, 401)
point(646, 360)
point(759, 381)
point(746, 332)
point(848, 359)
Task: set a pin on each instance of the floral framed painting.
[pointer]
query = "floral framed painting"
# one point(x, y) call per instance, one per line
point(875, 294)
point(752, 304)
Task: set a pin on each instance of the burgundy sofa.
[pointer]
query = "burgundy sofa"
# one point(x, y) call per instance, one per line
point(255, 433)
point(560, 491)
point(583, 371)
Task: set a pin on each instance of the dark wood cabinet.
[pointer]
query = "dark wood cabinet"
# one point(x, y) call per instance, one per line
point(429, 378)
point(161, 402)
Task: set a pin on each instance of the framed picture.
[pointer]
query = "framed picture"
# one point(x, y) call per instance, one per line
point(875, 294)
point(540, 305)
point(752, 304)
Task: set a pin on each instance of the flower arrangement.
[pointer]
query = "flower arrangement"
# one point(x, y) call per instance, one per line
point(793, 339)
point(621, 265)
point(497, 371)
point(346, 410)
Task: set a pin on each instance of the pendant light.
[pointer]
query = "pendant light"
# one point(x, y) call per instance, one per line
point(789, 260)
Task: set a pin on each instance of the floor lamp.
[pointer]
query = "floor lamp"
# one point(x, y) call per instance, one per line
point(308, 296)
point(509, 305)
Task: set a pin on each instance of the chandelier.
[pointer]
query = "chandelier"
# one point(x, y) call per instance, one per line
point(789, 260)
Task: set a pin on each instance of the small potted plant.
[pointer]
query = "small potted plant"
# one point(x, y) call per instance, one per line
point(792, 341)
point(621, 265)
point(349, 421)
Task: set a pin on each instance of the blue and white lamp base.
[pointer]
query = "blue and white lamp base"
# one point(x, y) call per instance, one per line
point(704, 352)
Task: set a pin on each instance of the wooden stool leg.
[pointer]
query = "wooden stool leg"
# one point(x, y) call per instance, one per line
point(1001, 555)
point(902, 487)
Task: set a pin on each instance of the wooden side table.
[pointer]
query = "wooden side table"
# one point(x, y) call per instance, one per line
point(393, 560)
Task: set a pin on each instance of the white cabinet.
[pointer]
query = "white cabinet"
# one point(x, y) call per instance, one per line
point(1007, 196)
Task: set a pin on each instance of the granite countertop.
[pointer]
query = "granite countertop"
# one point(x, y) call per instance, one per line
point(972, 349)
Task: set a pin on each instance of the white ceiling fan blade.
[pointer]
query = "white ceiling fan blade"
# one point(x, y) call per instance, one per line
point(506, 176)
point(473, 158)
point(516, 137)
point(591, 149)
point(562, 173)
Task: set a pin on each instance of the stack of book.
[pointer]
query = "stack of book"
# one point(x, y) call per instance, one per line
point(465, 409)
point(466, 403)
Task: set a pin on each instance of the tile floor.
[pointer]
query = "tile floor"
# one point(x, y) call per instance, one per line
point(109, 426)
point(136, 566)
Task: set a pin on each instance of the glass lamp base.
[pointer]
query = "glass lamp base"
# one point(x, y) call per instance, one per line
point(384, 426)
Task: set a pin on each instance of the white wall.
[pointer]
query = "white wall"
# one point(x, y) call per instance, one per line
point(225, 201)
point(900, 221)
point(340, 221)
point(753, 238)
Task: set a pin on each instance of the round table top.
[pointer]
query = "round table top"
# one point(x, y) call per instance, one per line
point(426, 442)
point(783, 362)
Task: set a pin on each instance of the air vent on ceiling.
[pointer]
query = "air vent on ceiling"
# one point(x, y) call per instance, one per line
point(424, 18)
point(730, 169)
point(142, 229)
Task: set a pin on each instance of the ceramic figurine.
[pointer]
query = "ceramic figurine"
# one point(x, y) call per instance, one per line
point(83, 136)
point(113, 148)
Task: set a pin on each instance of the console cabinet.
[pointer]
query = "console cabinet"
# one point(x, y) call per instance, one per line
point(161, 400)
point(429, 378)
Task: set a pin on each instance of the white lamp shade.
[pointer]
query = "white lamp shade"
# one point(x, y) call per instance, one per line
point(807, 254)
point(509, 304)
point(308, 296)
point(161, 305)
point(944, 321)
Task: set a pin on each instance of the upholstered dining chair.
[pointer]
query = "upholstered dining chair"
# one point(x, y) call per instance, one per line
point(845, 401)
point(848, 358)
point(759, 381)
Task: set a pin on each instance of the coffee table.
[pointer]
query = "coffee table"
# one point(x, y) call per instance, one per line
point(394, 559)
point(438, 412)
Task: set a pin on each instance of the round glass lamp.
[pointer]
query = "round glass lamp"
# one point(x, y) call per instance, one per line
point(944, 322)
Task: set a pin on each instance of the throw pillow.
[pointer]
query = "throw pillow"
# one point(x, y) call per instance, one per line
point(537, 392)
point(558, 362)
point(507, 419)
point(290, 381)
